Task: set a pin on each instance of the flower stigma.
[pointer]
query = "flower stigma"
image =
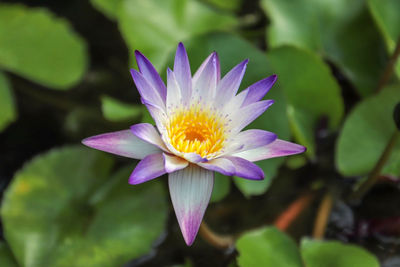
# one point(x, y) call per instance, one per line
point(196, 130)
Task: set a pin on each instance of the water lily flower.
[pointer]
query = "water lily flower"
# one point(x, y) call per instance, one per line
point(199, 121)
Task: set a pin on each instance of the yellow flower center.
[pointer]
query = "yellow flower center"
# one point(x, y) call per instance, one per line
point(196, 131)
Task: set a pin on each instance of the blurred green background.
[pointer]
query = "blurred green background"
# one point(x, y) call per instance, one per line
point(64, 76)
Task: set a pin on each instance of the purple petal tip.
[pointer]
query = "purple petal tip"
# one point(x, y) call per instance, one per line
point(138, 54)
point(86, 141)
point(133, 72)
point(180, 45)
point(189, 240)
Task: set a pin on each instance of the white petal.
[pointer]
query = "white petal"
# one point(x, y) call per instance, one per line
point(204, 87)
point(173, 163)
point(174, 92)
point(123, 143)
point(190, 191)
point(148, 133)
point(278, 148)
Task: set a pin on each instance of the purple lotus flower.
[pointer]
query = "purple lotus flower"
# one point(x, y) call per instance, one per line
point(199, 122)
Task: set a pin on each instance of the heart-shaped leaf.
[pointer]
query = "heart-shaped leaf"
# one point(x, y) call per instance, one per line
point(335, 254)
point(341, 31)
point(267, 247)
point(64, 209)
point(366, 132)
point(40, 47)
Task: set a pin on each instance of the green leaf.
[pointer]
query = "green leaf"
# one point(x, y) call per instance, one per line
point(40, 47)
point(64, 209)
point(8, 112)
point(310, 89)
point(267, 247)
point(155, 27)
point(341, 31)
point(231, 51)
point(231, 5)
point(392, 167)
point(254, 188)
point(108, 7)
point(222, 185)
point(335, 254)
point(115, 110)
point(386, 15)
point(366, 132)
point(146, 116)
point(6, 257)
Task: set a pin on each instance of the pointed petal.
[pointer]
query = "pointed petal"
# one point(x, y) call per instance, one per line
point(250, 139)
point(146, 90)
point(148, 133)
point(278, 148)
point(182, 72)
point(122, 143)
point(220, 165)
point(244, 116)
point(190, 191)
point(202, 66)
point(246, 169)
point(204, 88)
point(151, 74)
point(174, 96)
point(258, 90)
point(147, 169)
point(229, 85)
point(173, 163)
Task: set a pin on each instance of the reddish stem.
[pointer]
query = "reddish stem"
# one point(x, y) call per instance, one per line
point(293, 211)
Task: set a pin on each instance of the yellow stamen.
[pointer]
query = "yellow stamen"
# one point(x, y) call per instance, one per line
point(196, 131)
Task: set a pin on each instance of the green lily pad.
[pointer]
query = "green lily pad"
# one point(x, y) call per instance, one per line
point(341, 31)
point(335, 254)
point(231, 5)
point(267, 247)
point(232, 50)
point(108, 7)
point(8, 111)
point(271, 248)
point(386, 15)
point(310, 89)
point(155, 27)
point(65, 209)
point(41, 47)
point(6, 257)
point(222, 185)
point(115, 110)
point(366, 132)
point(253, 188)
